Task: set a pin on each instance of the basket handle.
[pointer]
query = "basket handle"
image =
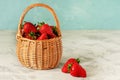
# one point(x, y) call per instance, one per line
point(39, 5)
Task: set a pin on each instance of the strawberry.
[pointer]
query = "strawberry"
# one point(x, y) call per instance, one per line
point(42, 37)
point(29, 27)
point(77, 70)
point(67, 66)
point(46, 29)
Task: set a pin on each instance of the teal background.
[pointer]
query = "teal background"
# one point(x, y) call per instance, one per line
point(72, 14)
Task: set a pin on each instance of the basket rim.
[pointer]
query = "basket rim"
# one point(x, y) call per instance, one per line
point(51, 39)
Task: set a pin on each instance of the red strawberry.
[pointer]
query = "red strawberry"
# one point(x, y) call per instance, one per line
point(77, 71)
point(45, 28)
point(67, 66)
point(29, 27)
point(42, 37)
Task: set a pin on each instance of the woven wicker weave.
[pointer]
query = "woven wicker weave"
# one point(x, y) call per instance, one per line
point(39, 54)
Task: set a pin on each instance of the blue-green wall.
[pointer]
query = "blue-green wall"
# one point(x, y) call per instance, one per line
point(73, 14)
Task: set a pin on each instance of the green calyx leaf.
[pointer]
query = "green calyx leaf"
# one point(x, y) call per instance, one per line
point(32, 34)
point(34, 24)
point(24, 22)
point(55, 30)
point(41, 23)
point(69, 67)
point(78, 60)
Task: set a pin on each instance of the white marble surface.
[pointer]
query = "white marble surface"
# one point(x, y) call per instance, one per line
point(99, 52)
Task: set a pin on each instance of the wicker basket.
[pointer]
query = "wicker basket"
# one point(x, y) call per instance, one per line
point(39, 54)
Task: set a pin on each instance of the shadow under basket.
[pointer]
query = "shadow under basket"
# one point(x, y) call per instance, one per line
point(39, 54)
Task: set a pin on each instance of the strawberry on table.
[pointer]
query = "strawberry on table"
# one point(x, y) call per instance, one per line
point(77, 70)
point(73, 67)
point(67, 66)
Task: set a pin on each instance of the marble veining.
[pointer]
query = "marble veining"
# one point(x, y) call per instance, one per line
point(99, 51)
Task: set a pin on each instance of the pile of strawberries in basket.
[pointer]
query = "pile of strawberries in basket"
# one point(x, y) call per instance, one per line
point(40, 31)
